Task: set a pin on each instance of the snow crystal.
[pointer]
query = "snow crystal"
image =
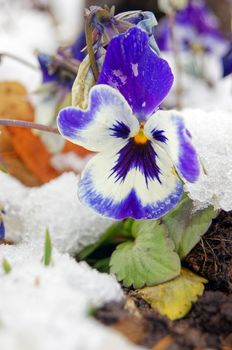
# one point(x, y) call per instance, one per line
point(54, 206)
point(212, 138)
point(46, 308)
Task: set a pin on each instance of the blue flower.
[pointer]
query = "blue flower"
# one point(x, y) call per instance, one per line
point(227, 63)
point(196, 27)
point(140, 148)
point(2, 230)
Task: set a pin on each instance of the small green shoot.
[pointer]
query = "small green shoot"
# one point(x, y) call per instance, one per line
point(47, 249)
point(6, 266)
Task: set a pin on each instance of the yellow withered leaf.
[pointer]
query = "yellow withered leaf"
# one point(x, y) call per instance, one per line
point(84, 82)
point(174, 298)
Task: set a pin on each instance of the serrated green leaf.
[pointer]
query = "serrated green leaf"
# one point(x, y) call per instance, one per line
point(148, 260)
point(174, 298)
point(47, 249)
point(186, 226)
point(6, 266)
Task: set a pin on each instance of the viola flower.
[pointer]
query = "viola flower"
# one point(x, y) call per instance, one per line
point(196, 27)
point(58, 74)
point(143, 152)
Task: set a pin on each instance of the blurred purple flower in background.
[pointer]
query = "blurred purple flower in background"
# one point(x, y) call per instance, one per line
point(227, 62)
point(196, 28)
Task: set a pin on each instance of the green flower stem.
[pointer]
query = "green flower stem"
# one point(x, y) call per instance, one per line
point(28, 125)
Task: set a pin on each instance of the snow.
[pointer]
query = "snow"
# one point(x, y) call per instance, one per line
point(211, 133)
point(46, 308)
point(196, 92)
point(55, 205)
point(69, 160)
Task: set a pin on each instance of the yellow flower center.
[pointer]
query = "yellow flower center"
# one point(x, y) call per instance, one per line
point(140, 138)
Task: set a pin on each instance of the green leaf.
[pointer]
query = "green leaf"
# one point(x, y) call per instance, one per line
point(6, 266)
point(174, 298)
point(186, 226)
point(47, 249)
point(148, 260)
point(102, 265)
point(114, 233)
point(104, 238)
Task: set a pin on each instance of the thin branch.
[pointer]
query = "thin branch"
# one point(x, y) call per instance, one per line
point(28, 125)
point(18, 59)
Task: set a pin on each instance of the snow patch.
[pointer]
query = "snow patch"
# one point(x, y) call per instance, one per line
point(70, 160)
point(211, 132)
point(29, 212)
point(46, 308)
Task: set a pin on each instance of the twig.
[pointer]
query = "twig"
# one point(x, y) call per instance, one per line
point(28, 125)
point(18, 59)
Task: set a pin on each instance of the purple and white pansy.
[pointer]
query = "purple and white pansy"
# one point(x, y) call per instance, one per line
point(144, 153)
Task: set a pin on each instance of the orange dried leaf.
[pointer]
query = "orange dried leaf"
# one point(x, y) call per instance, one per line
point(14, 103)
point(17, 168)
point(24, 154)
point(71, 147)
point(33, 153)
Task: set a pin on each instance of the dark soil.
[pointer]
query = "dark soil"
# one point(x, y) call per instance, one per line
point(212, 257)
point(208, 326)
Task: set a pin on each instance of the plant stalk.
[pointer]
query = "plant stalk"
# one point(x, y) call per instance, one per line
point(89, 42)
point(18, 59)
point(28, 125)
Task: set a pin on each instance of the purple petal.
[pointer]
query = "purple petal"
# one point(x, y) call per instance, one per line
point(133, 68)
point(227, 63)
point(141, 157)
point(77, 47)
point(2, 230)
point(45, 61)
point(137, 187)
point(108, 120)
point(169, 132)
